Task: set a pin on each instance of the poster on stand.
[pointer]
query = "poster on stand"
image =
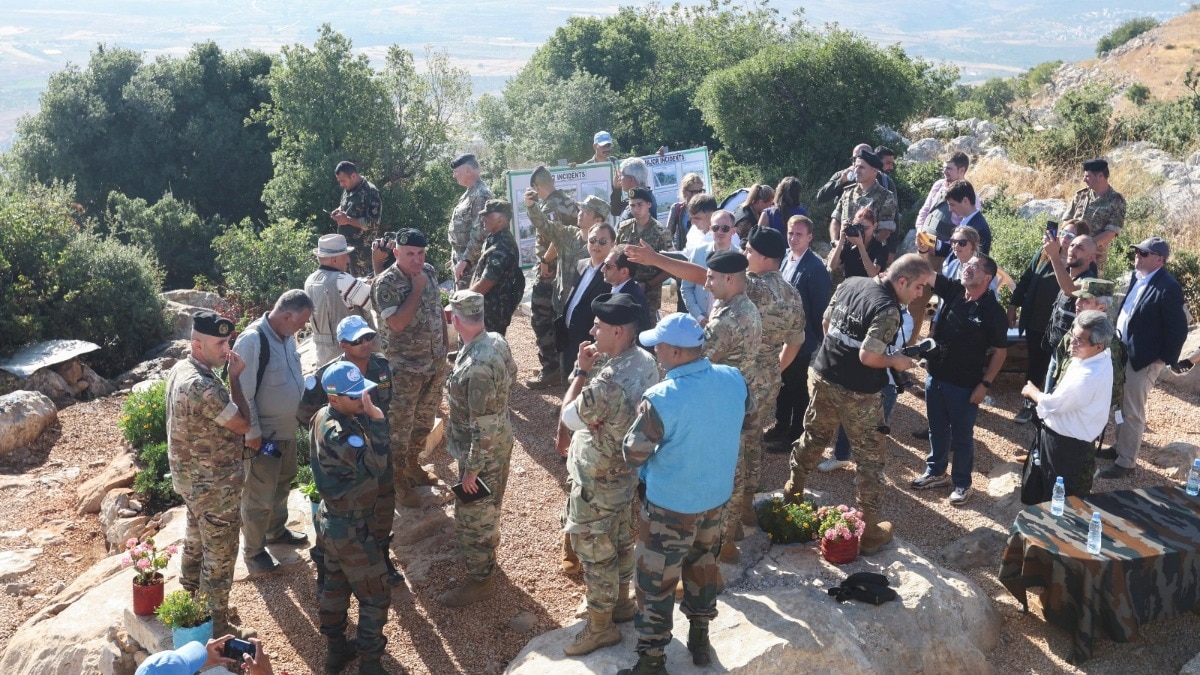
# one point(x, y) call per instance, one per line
point(577, 181)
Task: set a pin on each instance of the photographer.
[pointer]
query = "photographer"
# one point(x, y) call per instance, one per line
point(193, 657)
point(857, 252)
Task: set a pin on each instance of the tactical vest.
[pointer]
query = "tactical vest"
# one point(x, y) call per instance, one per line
point(859, 300)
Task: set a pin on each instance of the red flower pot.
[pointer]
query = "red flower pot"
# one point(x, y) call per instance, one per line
point(146, 599)
point(840, 552)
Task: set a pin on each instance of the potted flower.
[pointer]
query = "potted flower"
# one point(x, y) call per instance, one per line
point(189, 617)
point(839, 529)
point(787, 523)
point(148, 560)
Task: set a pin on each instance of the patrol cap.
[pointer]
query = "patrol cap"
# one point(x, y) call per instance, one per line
point(602, 138)
point(1156, 245)
point(540, 175)
point(678, 330)
point(769, 242)
point(330, 245)
point(872, 159)
point(209, 323)
point(345, 379)
point(497, 206)
point(1095, 165)
point(595, 205)
point(465, 158)
point(410, 236)
point(1094, 288)
point(641, 193)
point(617, 309)
point(352, 328)
point(468, 303)
point(728, 261)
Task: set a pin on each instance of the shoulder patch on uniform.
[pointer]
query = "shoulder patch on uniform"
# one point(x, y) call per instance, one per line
point(310, 382)
point(355, 441)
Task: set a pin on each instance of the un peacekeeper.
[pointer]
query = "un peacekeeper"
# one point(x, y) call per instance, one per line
point(498, 275)
point(867, 191)
point(685, 441)
point(349, 471)
point(357, 340)
point(358, 214)
point(570, 244)
point(845, 379)
point(413, 327)
point(1101, 206)
point(466, 229)
point(610, 377)
point(732, 337)
point(205, 424)
point(642, 227)
point(480, 439)
point(545, 205)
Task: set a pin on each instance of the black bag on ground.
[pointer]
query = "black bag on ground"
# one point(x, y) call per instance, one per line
point(868, 587)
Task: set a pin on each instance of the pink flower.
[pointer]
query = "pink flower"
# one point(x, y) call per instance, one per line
point(143, 564)
point(131, 543)
point(173, 549)
point(126, 560)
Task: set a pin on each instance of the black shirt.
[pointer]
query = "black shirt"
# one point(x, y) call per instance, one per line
point(852, 264)
point(1062, 315)
point(965, 331)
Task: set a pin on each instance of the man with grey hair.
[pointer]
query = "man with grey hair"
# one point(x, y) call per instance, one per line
point(273, 384)
point(632, 173)
point(1073, 415)
point(336, 294)
point(466, 225)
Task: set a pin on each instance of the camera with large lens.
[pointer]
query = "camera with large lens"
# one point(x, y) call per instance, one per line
point(921, 349)
point(854, 230)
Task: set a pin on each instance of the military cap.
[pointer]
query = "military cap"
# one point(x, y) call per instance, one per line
point(465, 158)
point(411, 237)
point(727, 262)
point(872, 159)
point(497, 206)
point(467, 303)
point(602, 138)
point(595, 205)
point(617, 309)
point(1094, 288)
point(540, 175)
point(1156, 245)
point(345, 379)
point(1095, 165)
point(209, 323)
point(641, 193)
point(769, 242)
point(678, 330)
point(352, 328)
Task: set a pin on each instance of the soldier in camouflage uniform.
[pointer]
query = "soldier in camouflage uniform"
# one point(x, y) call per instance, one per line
point(846, 377)
point(413, 328)
point(570, 244)
point(205, 424)
point(350, 469)
point(868, 191)
point(498, 275)
point(358, 214)
point(545, 205)
point(1101, 206)
point(466, 228)
point(611, 375)
point(685, 440)
point(643, 227)
point(480, 439)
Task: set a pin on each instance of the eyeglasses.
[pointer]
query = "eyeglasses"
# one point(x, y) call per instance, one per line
point(607, 265)
point(1067, 235)
point(366, 338)
point(960, 242)
point(722, 228)
point(1143, 254)
point(1077, 340)
point(603, 241)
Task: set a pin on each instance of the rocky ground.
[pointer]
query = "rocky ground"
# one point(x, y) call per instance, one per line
point(39, 487)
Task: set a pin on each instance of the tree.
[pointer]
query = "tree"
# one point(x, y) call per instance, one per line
point(1124, 33)
point(179, 239)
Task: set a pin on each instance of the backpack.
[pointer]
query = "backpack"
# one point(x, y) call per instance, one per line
point(264, 357)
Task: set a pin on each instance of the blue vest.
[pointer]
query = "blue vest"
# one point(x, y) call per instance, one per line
point(702, 407)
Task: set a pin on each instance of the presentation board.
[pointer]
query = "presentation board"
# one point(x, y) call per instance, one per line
point(667, 172)
point(578, 182)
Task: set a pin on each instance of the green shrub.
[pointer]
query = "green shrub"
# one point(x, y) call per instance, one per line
point(180, 240)
point(1138, 93)
point(1015, 240)
point(180, 609)
point(1173, 126)
point(259, 266)
point(787, 523)
point(143, 420)
point(912, 183)
point(1124, 33)
point(1083, 131)
point(153, 481)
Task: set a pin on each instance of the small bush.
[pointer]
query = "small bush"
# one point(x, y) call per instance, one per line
point(153, 481)
point(1083, 131)
point(180, 609)
point(787, 523)
point(1015, 240)
point(1138, 93)
point(143, 420)
point(912, 183)
point(258, 266)
point(1124, 33)
point(1173, 126)
point(180, 240)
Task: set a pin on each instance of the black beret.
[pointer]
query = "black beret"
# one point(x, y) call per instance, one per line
point(769, 242)
point(872, 159)
point(209, 323)
point(1095, 165)
point(540, 175)
point(727, 262)
point(643, 194)
point(411, 237)
point(617, 309)
point(463, 159)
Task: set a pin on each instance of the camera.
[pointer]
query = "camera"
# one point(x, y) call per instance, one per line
point(1051, 228)
point(920, 349)
point(235, 649)
point(854, 230)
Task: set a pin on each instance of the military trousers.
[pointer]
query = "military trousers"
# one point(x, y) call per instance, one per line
point(416, 398)
point(541, 306)
point(604, 545)
point(265, 495)
point(354, 565)
point(672, 546)
point(210, 545)
point(477, 524)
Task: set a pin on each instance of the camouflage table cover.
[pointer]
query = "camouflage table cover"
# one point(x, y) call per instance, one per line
point(1148, 566)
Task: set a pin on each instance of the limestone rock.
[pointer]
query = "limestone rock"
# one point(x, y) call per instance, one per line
point(15, 563)
point(98, 387)
point(924, 150)
point(1004, 486)
point(964, 144)
point(1189, 382)
point(522, 623)
point(1191, 667)
point(51, 384)
point(982, 547)
point(179, 317)
point(117, 474)
point(1178, 456)
point(202, 299)
point(1040, 209)
point(23, 417)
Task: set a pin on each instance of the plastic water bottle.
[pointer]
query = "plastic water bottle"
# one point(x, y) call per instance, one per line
point(1095, 530)
point(1058, 501)
point(1193, 484)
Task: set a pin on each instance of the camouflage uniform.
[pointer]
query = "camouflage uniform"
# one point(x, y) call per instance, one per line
point(500, 262)
point(206, 471)
point(602, 484)
point(364, 204)
point(782, 313)
point(854, 198)
point(350, 467)
point(656, 236)
point(557, 208)
point(1104, 213)
point(568, 241)
point(417, 354)
point(466, 232)
point(480, 439)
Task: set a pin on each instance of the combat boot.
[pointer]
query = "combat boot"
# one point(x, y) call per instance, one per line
point(648, 664)
point(370, 665)
point(598, 632)
point(472, 591)
point(417, 474)
point(793, 489)
point(545, 380)
point(878, 535)
point(570, 561)
point(339, 653)
point(626, 607)
point(698, 643)
point(222, 623)
point(394, 577)
point(749, 517)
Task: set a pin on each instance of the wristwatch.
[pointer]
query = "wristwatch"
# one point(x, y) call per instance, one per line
point(986, 384)
point(580, 372)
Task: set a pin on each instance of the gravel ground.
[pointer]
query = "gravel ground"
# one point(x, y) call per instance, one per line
point(426, 638)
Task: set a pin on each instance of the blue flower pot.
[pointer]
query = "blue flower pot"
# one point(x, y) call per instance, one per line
point(202, 634)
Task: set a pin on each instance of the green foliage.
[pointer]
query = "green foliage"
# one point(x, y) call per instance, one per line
point(180, 609)
point(1173, 126)
point(1039, 75)
point(170, 229)
point(787, 523)
point(912, 183)
point(992, 98)
point(1015, 240)
point(143, 418)
point(1138, 94)
point(259, 266)
point(1124, 33)
point(152, 481)
point(1082, 132)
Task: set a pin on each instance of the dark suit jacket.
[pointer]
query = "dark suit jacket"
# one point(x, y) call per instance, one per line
point(570, 336)
point(1157, 326)
point(981, 226)
point(631, 288)
point(811, 279)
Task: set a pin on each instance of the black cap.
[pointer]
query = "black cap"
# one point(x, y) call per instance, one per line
point(209, 323)
point(497, 206)
point(769, 242)
point(872, 159)
point(463, 159)
point(1095, 165)
point(411, 237)
point(540, 175)
point(643, 194)
point(727, 262)
point(617, 309)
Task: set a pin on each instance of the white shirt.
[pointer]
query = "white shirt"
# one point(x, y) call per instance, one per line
point(1131, 300)
point(617, 289)
point(584, 282)
point(1079, 405)
point(791, 262)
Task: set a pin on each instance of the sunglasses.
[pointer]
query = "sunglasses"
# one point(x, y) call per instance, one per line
point(366, 338)
point(1067, 235)
point(603, 241)
point(960, 242)
point(722, 228)
point(1143, 254)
